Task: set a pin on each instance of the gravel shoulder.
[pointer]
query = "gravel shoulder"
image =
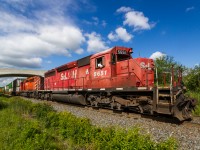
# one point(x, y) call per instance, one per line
point(187, 136)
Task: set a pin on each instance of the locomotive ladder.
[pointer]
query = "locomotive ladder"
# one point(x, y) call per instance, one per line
point(164, 96)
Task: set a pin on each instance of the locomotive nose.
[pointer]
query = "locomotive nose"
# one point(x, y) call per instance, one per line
point(183, 108)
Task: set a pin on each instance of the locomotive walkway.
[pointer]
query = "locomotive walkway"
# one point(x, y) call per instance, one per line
point(10, 72)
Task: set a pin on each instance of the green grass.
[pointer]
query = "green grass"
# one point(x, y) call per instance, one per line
point(28, 126)
point(195, 95)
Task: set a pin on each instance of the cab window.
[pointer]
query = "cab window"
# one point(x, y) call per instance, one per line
point(100, 62)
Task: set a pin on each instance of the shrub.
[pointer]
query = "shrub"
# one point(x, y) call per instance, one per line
point(33, 136)
point(2, 105)
point(41, 110)
point(46, 129)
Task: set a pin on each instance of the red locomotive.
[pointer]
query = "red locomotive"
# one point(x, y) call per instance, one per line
point(30, 86)
point(115, 80)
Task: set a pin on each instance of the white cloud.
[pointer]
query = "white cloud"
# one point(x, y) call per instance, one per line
point(28, 49)
point(79, 51)
point(24, 41)
point(190, 9)
point(66, 36)
point(112, 36)
point(157, 55)
point(14, 23)
point(5, 81)
point(124, 9)
point(120, 33)
point(137, 20)
point(33, 62)
point(123, 35)
point(95, 42)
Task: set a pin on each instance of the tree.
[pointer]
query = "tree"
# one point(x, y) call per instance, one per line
point(192, 79)
point(164, 65)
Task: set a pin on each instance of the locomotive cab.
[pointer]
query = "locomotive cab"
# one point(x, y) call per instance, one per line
point(115, 67)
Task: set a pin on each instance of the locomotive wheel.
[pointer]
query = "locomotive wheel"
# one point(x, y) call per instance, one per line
point(94, 103)
point(147, 109)
point(42, 96)
point(116, 106)
point(119, 106)
point(112, 105)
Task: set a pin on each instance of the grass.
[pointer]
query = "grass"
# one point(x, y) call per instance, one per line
point(195, 95)
point(28, 126)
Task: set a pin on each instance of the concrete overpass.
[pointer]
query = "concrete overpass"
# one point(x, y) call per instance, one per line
point(9, 72)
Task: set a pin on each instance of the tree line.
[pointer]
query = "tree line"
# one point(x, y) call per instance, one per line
point(190, 76)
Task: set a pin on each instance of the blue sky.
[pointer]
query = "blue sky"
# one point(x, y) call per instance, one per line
point(40, 34)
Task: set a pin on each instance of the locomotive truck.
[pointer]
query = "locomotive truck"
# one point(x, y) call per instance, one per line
point(112, 79)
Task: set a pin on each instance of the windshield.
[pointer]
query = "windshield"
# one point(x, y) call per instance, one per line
point(122, 55)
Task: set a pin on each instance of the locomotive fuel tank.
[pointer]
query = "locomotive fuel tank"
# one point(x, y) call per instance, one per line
point(69, 98)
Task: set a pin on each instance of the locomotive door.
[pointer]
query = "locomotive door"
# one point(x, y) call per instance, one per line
point(122, 64)
point(113, 65)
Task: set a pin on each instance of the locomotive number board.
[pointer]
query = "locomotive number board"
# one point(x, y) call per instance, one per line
point(122, 52)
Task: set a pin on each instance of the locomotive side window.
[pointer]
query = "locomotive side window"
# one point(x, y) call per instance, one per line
point(122, 55)
point(100, 62)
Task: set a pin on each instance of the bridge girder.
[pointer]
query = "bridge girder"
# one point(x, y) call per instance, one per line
point(20, 72)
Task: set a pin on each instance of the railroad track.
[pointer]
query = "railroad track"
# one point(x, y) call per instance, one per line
point(115, 112)
point(159, 118)
point(194, 123)
point(190, 124)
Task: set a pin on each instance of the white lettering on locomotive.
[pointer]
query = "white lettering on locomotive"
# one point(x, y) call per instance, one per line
point(73, 74)
point(87, 71)
point(63, 76)
point(143, 65)
point(100, 73)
